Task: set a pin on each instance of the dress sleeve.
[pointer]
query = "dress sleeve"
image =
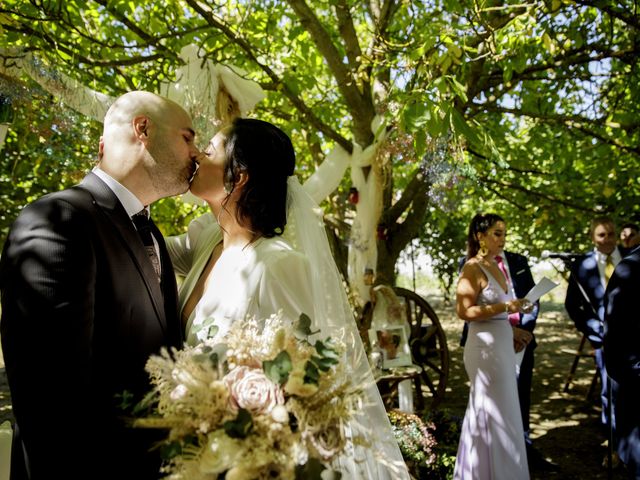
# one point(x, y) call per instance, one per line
point(286, 286)
point(181, 247)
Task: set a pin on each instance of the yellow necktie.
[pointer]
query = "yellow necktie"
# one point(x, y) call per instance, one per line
point(608, 268)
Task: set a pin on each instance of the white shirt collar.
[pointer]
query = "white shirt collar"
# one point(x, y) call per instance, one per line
point(602, 257)
point(128, 200)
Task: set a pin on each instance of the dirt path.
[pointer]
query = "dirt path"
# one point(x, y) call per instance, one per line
point(565, 426)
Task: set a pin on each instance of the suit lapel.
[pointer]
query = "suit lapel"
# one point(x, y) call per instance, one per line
point(512, 260)
point(116, 214)
point(169, 289)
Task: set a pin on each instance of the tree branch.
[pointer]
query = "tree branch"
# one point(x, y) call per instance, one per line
point(348, 33)
point(489, 181)
point(573, 121)
point(360, 105)
point(509, 168)
point(306, 112)
point(56, 45)
point(417, 187)
point(608, 7)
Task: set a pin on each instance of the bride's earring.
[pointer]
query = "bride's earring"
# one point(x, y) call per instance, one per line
point(483, 249)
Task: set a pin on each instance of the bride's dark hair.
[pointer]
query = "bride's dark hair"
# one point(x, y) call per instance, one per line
point(266, 154)
point(481, 222)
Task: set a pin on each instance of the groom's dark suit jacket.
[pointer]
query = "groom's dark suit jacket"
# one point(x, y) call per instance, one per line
point(82, 311)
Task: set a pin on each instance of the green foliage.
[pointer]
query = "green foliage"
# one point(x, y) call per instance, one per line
point(537, 102)
point(428, 444)
point(327, 357)
point(47, 148)
point(241, 426)
point(303, 327)
point(279, 368)
point(444, 240)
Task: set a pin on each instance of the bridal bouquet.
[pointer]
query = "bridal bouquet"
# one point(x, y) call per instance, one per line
point(266, 403)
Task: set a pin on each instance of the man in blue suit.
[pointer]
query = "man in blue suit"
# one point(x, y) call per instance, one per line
point(585, 296)
point(622, 356)
point(521, 278)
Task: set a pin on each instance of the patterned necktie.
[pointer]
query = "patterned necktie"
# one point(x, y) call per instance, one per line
point(143, 225)
point(514, 318)
point(608, 269)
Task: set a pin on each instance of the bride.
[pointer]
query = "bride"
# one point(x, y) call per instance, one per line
point(266, 251)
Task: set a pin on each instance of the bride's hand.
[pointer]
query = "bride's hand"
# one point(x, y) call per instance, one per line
point(519, 305)
point(526, 306)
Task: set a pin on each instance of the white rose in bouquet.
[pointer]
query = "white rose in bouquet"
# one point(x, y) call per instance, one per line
point(252, 390)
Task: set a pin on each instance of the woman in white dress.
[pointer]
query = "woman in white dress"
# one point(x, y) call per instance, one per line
point(492, 439)
point(264, 250)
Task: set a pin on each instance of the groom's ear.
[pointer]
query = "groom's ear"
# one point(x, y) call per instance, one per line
point(140, 128)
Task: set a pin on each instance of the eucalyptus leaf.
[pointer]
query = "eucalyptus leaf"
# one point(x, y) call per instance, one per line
point(170, 450)
point(278, 369)
point(303, 326)
point(241, 426)
point(311, 373)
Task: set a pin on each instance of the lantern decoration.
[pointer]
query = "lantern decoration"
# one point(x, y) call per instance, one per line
point(354, 196)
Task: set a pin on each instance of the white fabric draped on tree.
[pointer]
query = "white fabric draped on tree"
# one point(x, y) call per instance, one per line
point(196, 87)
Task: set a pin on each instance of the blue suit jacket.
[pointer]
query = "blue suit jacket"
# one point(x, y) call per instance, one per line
point(622, 354)
point(622, 321)
point(585, 298)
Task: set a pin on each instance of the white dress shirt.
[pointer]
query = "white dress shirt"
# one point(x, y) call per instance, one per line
point(601, 260)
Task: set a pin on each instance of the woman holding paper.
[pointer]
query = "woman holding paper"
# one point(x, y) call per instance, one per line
point(492, 441)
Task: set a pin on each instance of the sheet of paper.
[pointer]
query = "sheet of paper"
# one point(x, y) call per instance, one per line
point(543, 286)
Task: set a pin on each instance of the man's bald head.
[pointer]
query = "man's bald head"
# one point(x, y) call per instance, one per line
point(138, 103)
point(147, 145)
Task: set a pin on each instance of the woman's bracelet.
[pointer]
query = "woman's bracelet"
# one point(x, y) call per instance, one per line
point(506, 307)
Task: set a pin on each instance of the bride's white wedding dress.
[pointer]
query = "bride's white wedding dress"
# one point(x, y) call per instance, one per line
point(492, 440)
point(259, 280)
point(255, 281)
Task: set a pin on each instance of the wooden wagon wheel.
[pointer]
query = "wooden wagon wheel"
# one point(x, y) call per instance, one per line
point(428, 345)
point(428, 350)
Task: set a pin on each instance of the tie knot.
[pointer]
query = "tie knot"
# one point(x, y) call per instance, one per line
point(498, 258)
point(142, 213)
point(141, 220)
